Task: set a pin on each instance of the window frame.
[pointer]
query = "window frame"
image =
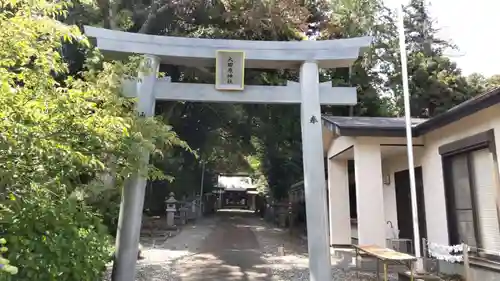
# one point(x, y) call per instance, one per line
point(451, 208)
point(484, 140)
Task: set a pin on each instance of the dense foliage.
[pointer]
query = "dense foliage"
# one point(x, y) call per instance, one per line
point(61, 136)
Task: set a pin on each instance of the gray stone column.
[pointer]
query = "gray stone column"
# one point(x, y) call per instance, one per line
point(340, 214)
point(314, 174)
point(369, 194)
point(132, 203)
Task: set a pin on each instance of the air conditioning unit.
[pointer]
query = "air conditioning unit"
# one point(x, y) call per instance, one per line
point(401, 245)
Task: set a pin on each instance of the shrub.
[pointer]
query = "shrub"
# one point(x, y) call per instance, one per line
point(109, 210)
point(60, 136)
point(56, 239)
point(6, 269)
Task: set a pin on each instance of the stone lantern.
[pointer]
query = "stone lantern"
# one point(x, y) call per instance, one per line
point(171, 209)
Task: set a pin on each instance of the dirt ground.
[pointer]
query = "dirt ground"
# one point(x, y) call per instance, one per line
point(234, 245)
point(230, 252)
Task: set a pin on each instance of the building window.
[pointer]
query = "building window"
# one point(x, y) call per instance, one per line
point(471, 190)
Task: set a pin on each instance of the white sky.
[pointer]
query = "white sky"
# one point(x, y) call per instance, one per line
point(474, 26)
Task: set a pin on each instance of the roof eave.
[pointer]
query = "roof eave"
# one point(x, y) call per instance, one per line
point(371, 132)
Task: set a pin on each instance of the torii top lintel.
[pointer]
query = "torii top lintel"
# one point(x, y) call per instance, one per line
point(258, 54)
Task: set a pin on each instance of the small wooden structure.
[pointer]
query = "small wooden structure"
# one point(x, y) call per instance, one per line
point(386, 256)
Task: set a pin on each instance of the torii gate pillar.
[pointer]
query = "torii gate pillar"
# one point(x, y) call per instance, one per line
point(314, 174)
point(132, 201)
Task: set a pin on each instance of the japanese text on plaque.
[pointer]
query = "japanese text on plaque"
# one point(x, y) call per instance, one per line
point(229, 76)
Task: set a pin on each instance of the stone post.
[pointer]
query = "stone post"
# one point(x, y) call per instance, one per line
point(203, 205)
point(282, 211)
point(171, 210)
point(183, 213)
point(194, 207)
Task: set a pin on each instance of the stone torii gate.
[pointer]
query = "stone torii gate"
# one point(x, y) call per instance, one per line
point(231, 57)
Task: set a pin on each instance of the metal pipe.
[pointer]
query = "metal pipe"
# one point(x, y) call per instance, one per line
point(409, 137)
point(201, 187)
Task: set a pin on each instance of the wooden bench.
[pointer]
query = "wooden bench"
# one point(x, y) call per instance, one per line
point(342, 246)
point(386, 256)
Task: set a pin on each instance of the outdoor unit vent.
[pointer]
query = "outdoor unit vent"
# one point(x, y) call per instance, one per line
point(401, 245)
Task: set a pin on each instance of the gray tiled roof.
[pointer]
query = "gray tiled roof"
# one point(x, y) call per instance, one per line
point(368, 126)
point(370, 122)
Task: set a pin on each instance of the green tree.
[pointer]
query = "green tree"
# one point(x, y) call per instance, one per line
point(480, 84)
point(436, 83)
point(493, 82)
point(362, 18)
point(60, 135)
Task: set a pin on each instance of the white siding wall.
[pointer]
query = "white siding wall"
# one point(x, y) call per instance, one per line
point(437, 225)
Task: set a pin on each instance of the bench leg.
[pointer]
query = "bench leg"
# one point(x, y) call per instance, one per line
point(378, 269)
point(385, 271)
point(357, 265)
point(411, 271)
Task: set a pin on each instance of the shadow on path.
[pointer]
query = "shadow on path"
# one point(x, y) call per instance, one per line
point(230, 252)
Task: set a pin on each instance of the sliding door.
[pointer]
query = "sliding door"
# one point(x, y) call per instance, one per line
point(485, 192)
point(472, 196)
point(462, 204)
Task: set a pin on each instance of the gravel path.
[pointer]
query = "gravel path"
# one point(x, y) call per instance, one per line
point(160, 254)
point(230, 252)
point(233, 246)
point(288, 258)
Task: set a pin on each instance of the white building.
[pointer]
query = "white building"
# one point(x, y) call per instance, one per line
point(457, 177)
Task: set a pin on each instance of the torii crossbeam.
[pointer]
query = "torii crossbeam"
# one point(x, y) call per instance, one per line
point(308, 56)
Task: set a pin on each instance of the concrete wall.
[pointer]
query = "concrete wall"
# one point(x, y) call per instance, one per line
point(477, 273)
point(369, 193)
point(389, 194)
point(338, 145)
